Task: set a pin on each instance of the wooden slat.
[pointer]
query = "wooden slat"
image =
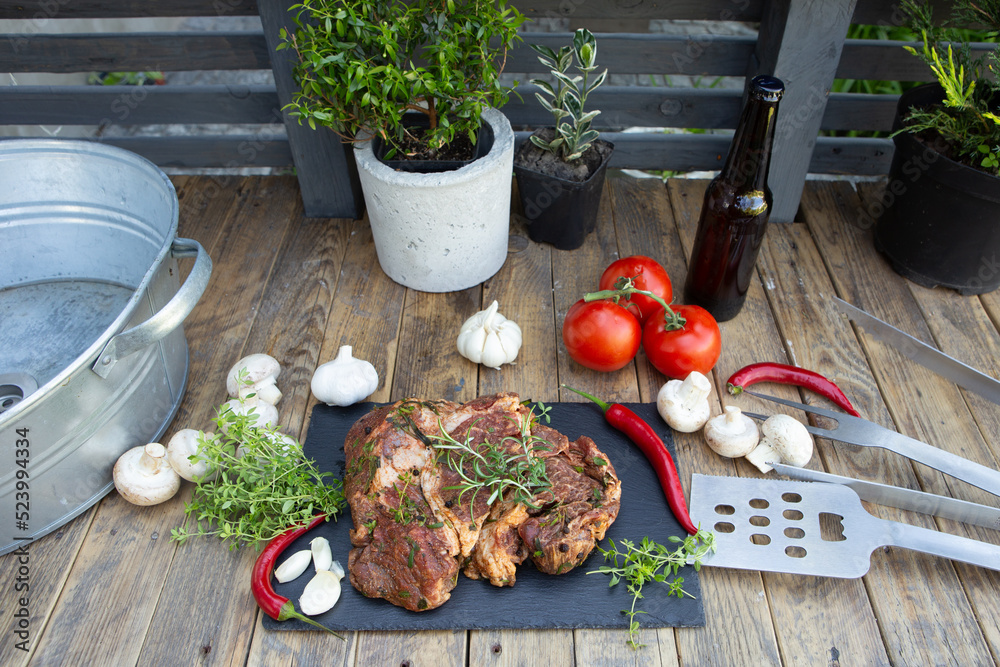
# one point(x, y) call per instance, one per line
point(647, 222)
point(133, 52)
point(96, 9)
point(581, 11)
point(226, 151)
point(634, 106)
point(328, 175)
point(280, 243)
point(887, 60)
point(640, 53)
point(936, 413)
point(800, 43)
point(620, 106)
point(139, 105)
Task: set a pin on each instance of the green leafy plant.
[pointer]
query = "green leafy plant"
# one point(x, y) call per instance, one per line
point(567, 99)
point(260, 490)
point(967, 119)
point(510, 468)
point(363, 64)
point(651, 561)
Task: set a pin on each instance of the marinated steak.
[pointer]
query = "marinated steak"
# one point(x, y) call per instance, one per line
point(435, 487)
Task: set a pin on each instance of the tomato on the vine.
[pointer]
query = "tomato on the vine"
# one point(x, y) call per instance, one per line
point(694, 347)
point(601, 334)
point(646, 274)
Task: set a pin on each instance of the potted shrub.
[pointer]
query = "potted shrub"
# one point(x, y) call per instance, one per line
point(415, 85)
point(560, 170)
point(941, 223)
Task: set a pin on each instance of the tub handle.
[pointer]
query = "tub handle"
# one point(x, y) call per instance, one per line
point(170, 316)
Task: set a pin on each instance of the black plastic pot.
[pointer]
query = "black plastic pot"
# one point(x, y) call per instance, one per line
point(484, 142)
point(560, 211)
point(941, 220)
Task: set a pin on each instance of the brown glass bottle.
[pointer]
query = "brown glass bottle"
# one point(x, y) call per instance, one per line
point(736, 209)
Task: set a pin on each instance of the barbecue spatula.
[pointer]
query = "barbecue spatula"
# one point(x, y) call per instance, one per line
point(777, 525)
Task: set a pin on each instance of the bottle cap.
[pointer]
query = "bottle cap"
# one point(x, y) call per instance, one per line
point(766, 88)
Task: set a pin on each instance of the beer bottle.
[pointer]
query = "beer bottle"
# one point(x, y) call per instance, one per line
point(736, 208)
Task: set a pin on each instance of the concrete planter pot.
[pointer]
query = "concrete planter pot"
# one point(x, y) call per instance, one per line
point(445, 231)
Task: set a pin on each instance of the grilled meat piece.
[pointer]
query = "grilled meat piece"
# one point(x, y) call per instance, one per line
point(417, 520)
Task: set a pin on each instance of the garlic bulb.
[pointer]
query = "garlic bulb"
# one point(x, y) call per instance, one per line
point(489, 338)
point(345, 380)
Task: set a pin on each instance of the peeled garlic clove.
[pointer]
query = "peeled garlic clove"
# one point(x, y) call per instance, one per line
point(320, 594)
point(321, 554)
point(294, 566)
point(337, 569)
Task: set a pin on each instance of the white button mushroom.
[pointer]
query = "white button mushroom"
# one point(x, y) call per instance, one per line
point(783, 439)
point(255, 374)
point(143, 476)
point(684, 404)
point(344, 380)
point(489, 338)
point(731, 434)
point(183, 452)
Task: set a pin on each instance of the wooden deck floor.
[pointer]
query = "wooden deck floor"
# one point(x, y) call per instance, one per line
point(110, 588)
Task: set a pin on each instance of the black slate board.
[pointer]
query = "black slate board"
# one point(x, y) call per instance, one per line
point(537, 600)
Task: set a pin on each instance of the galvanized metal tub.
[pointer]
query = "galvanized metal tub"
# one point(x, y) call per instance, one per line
point(93, 358)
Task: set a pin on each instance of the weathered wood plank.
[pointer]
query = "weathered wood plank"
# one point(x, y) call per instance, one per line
point(37, 579)
point(800, 43)
point(140, 105)
point(644, 53)
point(822, 340)
point(291, 303)
point(961, 327)
point(581, 11)
point(128, 548)
point(523, 289)
point(328, 176)
point(746, 339)
point(220, 151)
point(96, 9)
point(364, 311)
point(134, 52)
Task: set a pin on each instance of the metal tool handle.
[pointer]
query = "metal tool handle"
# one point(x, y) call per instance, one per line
point(169, 317)
point(958, 467)
point(945, 545)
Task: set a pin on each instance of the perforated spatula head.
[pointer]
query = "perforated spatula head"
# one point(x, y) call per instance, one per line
point(777, 525)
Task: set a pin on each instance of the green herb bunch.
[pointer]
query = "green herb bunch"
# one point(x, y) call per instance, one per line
point(263, 486)
point(362, 64)
point(510, 469)
point(567, 100)
point(968, 120)
point(651, 561)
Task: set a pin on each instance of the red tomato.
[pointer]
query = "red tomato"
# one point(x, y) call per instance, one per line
point(601, 334)
point(647, 275)
point(694, 347)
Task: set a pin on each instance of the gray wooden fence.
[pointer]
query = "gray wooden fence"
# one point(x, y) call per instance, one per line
point(800, 41)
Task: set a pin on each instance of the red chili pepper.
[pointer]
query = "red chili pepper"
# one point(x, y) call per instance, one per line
point(276, 606)
point(784, 374)
point(645, 438)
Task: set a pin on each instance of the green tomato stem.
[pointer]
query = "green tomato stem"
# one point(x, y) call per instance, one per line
point(672, 319)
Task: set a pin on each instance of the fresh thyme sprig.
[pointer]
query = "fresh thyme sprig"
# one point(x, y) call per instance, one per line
point(651, 561)
point(260, 491)
point(514, 472)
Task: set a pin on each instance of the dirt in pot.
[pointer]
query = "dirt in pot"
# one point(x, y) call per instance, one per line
point(413, 147)
point(536, 159)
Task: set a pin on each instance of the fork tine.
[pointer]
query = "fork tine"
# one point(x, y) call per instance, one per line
point(801, 406)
